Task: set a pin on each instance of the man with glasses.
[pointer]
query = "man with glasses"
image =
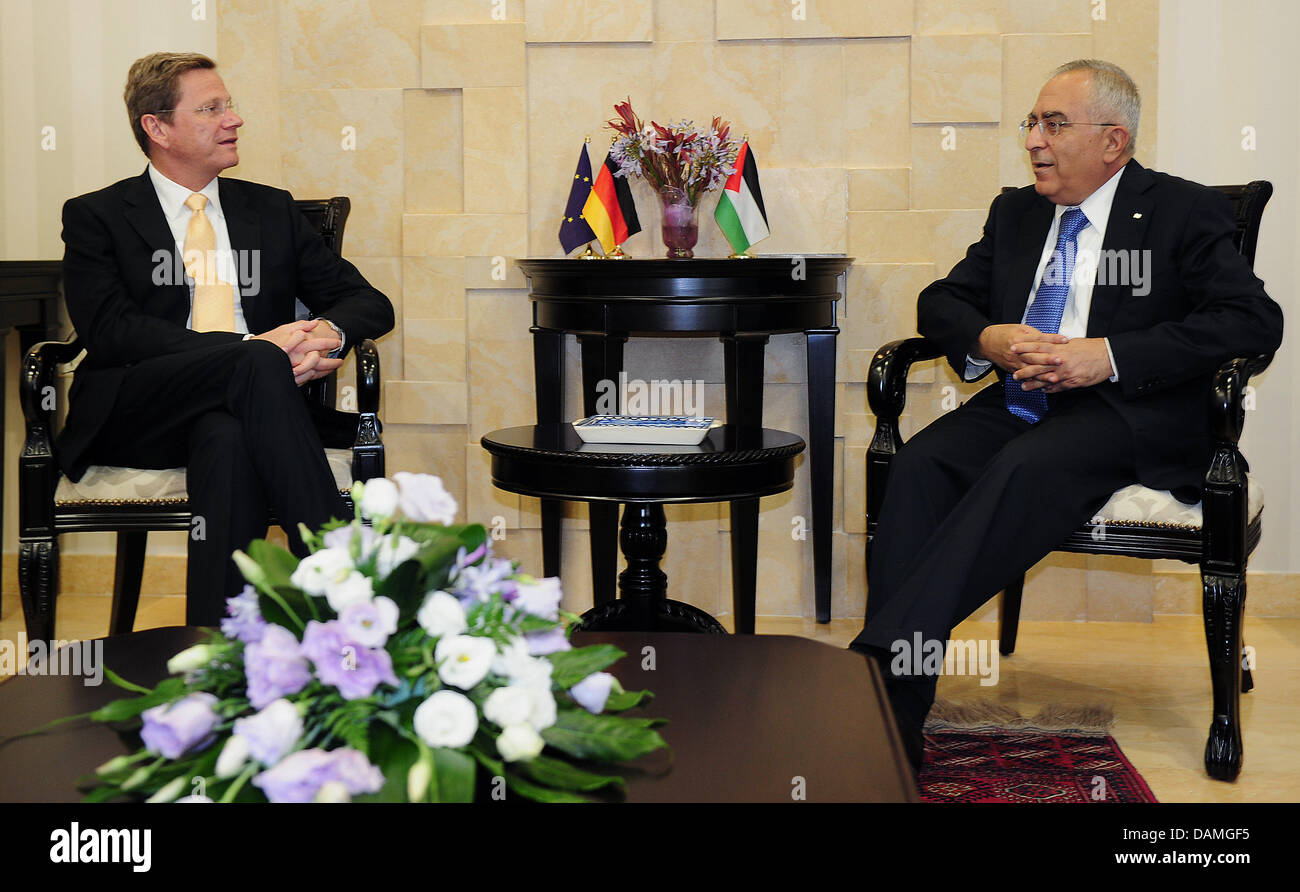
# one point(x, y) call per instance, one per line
point(181, 286)
point(1098, 384)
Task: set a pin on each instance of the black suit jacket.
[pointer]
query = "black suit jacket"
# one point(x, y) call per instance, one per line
point(128, 300)
point(1205, 307)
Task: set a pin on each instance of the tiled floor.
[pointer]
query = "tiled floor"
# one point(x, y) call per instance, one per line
point(1153, 675)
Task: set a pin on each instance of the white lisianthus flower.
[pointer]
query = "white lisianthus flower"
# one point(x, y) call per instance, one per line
point(352, 589)
point(191, 658)
point(423, 498)
point(446, 719)
point(169, 791)
point(333, 791)
point(393, 551)
point(234, 755)
point(540, 597)
point(317, 572)
point(441, 615)
point(463, 660)
point(418, 777)
point(519, 742)
point(542, 715)
point(378, 498)
point(508, 706)
point(592, 692)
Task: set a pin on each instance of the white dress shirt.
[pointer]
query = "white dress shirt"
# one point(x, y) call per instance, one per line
point(172, 197)
point(1074, 320)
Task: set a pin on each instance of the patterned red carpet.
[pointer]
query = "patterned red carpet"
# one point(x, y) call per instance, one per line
point(1027, 766)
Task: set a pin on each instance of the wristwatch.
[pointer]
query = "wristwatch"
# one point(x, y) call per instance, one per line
point(338, 331)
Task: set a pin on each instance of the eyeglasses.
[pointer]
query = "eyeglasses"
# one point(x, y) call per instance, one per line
point(211, 110)
point(1051, 127)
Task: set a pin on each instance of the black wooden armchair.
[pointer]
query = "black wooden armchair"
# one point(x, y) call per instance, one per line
point(131, 502)
point(1219, 534)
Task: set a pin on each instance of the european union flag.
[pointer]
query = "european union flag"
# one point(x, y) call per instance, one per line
point(574, 231)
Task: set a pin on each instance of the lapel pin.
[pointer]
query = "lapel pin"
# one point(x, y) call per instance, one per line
point(1137, 216)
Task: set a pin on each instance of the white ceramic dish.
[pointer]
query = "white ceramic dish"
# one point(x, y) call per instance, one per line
point(675, 430)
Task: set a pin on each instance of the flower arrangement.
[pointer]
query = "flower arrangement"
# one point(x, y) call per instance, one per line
point(397, 662)
point(679, 156)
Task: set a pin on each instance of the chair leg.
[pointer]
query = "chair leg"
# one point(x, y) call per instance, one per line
point(1223, 602)
point(126, 581)
point(38, 585)
point(1009, 616)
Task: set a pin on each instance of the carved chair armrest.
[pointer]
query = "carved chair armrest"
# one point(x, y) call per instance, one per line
point(1225, 502)
point(368, 450)
point(37, 391)
point(887, 394)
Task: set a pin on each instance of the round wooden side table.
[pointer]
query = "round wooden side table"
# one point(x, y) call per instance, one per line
point(737, 465)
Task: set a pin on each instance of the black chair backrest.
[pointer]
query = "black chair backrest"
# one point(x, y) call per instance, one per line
point(1248, 203)
point(327, 216)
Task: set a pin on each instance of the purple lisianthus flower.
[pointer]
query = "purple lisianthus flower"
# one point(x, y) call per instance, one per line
point(275, 666)
point(592, 692)
point(478, 582)
point(174, 729)
point(424, 499)
point(244, 622)
point(542, 643)
point(540, 598)
point(347, 664)
point(299, 776)
point(272, 732)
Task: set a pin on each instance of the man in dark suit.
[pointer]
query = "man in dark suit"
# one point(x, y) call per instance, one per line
point(182, 289)
point(1100, 380)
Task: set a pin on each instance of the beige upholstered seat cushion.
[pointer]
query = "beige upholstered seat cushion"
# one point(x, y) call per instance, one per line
point(1138, 506)
point(106, 485)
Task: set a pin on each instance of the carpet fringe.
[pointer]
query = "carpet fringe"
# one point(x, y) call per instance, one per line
point(1089, 719)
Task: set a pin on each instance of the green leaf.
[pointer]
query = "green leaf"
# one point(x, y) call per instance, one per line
point(605, 738)
point(393, 755)
point(453, 773)
point(564, 776)
point(277, 563)
point(572, 666)
point(121, 710)
point(524, 788)
point(622, 700)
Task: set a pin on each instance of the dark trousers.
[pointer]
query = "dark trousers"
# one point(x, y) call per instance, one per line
point(233, 417)
point(973, 501)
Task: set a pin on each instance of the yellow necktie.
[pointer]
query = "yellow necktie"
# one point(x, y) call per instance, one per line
point(214, 300)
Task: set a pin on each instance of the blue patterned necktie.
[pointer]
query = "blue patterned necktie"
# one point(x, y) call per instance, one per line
point(1045, 312)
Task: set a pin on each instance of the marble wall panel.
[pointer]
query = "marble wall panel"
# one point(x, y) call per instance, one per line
point(458, 12)
point(464, 235)
point(424, 448)
point(588, 21)
point(965, 17)
point(879, 188)
point(248, 56)
point(434, 154)
point(1046, 16)
point(500, 386)
point(475, 55)
point(876, 124)
point(812, 81)
point(1127, 37)
point(766, 19)
point(683, 20)
point(433, 287)
point(483, 501)
point(954, 165)
point(891, 236)
point(349, 142)
point(433, 349)
point(349, 44)
point(495, 137)
point(956, 78)
point(424, 402)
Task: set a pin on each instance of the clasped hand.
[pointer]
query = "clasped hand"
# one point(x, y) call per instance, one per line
point(1045, 360)
point(308, 343)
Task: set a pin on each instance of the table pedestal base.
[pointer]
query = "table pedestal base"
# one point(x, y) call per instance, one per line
point(643, 604)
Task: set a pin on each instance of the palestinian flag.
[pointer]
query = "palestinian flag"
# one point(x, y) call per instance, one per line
point(574, 231)
point(610, 210)
point(740, 213)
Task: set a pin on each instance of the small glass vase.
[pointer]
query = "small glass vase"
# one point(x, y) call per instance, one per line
point(681, 223)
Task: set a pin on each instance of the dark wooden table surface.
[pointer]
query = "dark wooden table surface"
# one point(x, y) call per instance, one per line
point(750, 719)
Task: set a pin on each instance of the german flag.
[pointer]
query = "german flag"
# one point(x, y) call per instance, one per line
point(610, 211)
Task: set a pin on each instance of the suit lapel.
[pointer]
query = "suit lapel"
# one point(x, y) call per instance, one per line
point(1029, 250)
point(1126, 229)
point(145, 215)
point(245, 238)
